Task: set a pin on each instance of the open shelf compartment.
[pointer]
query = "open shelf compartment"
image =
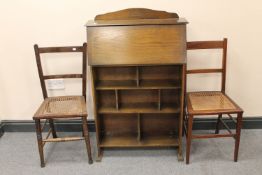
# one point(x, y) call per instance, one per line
point(138, 77)
point(139, 130)
point(115, 77)
point(139, 101)
point(138, 106)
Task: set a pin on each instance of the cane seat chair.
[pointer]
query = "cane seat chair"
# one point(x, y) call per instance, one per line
point(211, 102)
point(61, 107)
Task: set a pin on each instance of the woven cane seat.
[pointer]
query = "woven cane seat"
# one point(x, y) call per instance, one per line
point(62, 107)
point(210, 101)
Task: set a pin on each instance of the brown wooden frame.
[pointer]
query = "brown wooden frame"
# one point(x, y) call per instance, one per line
point(190, 112)
point(37, 117)
point(120, 82)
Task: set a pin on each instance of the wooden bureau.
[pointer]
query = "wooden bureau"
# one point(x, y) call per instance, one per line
point(137, 59)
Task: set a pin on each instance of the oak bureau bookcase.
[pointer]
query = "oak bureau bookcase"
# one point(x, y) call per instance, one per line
point(137, 59)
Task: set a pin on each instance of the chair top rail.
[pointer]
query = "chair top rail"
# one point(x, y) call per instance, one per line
point(60, 49)
point(63, 76)
point(193, 45)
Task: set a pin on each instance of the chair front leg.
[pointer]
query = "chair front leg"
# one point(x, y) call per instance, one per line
point(189, 137)
point(87, 139)
point(237, 137)
point(40, 142)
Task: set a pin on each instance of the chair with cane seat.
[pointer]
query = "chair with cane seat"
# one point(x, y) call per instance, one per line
point(62, 107)
point(211, 102)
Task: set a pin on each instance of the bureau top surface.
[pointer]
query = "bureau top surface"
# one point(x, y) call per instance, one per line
point(136, 22)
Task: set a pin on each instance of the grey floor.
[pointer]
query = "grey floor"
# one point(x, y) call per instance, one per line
point(19, 156)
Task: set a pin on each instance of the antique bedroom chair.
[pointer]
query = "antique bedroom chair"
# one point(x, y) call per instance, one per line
point(62, 107)
point(211, 102)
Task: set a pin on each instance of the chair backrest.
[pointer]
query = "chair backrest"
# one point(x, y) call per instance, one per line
point(222, 44)
point(42, 50)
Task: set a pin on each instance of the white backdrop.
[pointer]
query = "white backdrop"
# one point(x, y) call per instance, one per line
point(61, 22)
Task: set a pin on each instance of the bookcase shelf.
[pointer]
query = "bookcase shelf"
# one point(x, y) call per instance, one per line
point(142, 111)
point(143, 84)
point(132, 141)
point(141, 107)
point(138, 110)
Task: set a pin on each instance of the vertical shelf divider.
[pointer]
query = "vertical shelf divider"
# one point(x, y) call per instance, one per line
point(117, 102)
point(159, 99)
point(138, 127)
point(137, 76)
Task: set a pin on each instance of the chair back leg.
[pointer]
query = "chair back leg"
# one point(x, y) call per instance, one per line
point(218, 124)
point(52, 126)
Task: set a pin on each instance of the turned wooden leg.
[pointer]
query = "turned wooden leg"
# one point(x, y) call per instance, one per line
point(183, 125)
point(180, 135)
point(87, 139)
point(237, 137)
point(189, 135)
point(40, 142)
point(179, 151)
point(180, 154)
point(52, 126)
point(99, 154)
point(218, 124)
